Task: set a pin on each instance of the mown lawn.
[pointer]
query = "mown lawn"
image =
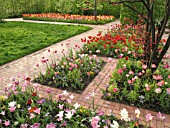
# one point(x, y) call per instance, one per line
point(18, 39)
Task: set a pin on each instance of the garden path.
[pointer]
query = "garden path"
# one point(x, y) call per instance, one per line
point(27, 65)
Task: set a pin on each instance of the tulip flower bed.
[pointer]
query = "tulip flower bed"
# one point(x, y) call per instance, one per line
point(133, 83)
point(121, 41)
point(71, 72)
point(70, 18)
point(24, 107)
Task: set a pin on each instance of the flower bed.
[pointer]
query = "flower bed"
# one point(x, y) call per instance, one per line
point(71, 72)
point(24, 107)
point(69, 18)
point(133, 83)
point(121, 41)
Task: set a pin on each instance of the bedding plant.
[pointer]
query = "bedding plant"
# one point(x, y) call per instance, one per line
point(70, 18)
point(132, 82)
point(23, 106)
point(71, 72)
point(119, 42)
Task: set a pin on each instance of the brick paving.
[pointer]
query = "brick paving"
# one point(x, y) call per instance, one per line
point(26, 65)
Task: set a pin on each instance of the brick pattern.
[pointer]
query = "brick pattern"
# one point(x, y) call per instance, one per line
point(26, 65)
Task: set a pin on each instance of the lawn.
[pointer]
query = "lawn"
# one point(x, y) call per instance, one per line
point(18, 39)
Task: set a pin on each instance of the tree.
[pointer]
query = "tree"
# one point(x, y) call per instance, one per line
point(154, 29)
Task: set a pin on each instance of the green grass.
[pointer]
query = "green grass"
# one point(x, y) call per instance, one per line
point(18, 39)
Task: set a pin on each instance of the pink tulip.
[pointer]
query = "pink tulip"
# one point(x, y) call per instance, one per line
point(115, 89)
point(148, 117)
point(120, 71)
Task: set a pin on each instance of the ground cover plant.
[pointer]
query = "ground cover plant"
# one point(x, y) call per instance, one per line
point(71, 18)
point(23, 106)
point(18, 39)
point(119, 42)
point(132, 82)
point(72, 72)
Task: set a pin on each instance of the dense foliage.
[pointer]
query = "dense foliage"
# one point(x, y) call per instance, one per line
point(15, 8)
point(130, 14)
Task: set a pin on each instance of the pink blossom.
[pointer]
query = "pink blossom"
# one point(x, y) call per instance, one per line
point(48, 90)
point(120, 71)
point(153, 65)
point(129, 81)
point(131, 72)
point(148, 117)
point(69, 101)
point(161, 83)
point(51, 125)
point(157, 77)
point(37, 111)
point(139, 74)
point(12, 109)
point(35, 125)
point(115, 89)
point(94, 122)
point(64, 63)
point(144, 66)
point(160, 116)
point(120, 56)
point(148, 88)
point(7, 123)
point(166, 66)
point(61, 106)
point(44, 60)
point(110, 60)
point(168, 90)
point(168, 76)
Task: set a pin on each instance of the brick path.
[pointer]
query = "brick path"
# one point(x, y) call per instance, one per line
point(26, 65)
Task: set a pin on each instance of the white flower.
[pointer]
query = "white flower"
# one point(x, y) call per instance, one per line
point(146, 85)
point(124, 115)
point(127, 75)
point(32, 115)
point(2, 113)
point(166, 82)
point(137, 112)
point(115, 124)
point(12, 104)
point(136, 77)
point(71, 97)
point(76, 105)
point(92, 94)
point(65, 93)
point(158, 90)
point(129, 52)
point(69, 115)
point(61, 113)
